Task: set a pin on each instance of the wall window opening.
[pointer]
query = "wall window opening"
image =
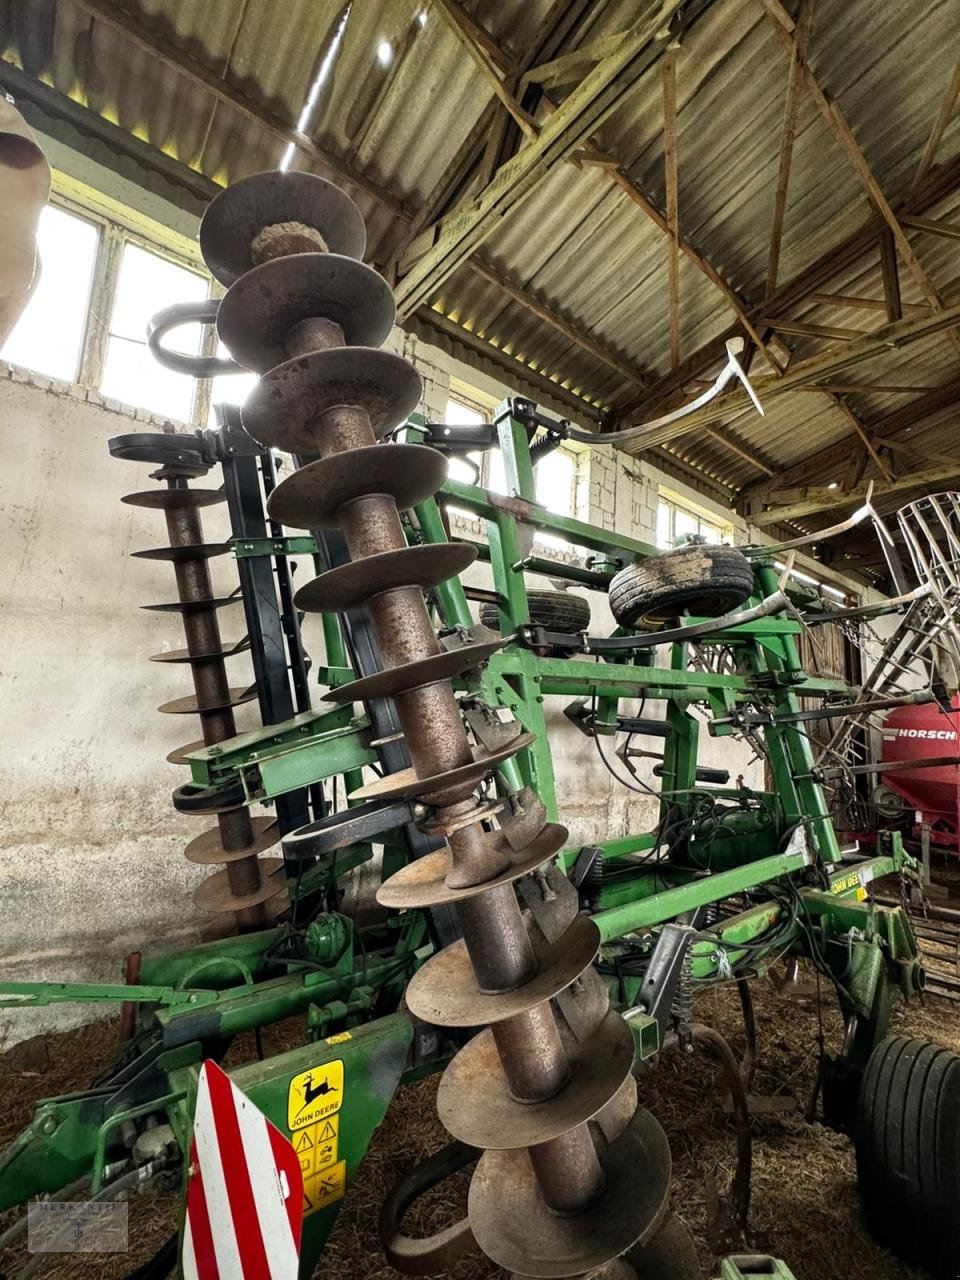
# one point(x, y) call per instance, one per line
point(148, 282)
point(49, 335)
point(679, 520)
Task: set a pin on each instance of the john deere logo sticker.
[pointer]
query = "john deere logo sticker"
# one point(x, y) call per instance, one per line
point(315, 1094)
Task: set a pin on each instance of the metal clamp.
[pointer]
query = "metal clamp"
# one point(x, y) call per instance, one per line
point(173, 317)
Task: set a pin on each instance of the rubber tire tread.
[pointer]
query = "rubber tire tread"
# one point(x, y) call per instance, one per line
point(705, 579)
point(554, 610)
point(908, 1151)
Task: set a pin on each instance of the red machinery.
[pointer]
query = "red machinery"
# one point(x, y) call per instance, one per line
point(917, 734)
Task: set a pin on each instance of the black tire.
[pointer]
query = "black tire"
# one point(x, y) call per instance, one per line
point(554, 610)
point(708, 580)
point(908, 1151)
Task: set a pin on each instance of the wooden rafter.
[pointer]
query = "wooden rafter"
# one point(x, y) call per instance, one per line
point(837, 122)
point(669, 86)
point(860, 432)
point(735, 302)
point(670, 168)
point(890, 273)
point(803, 329)
point(177, 59)
point(884, 431)
point(590, 154)
point(478, 45)
point(949, 230)
point(867, 304)
point(726, 440)
point(834, 261)
point(537, 307)
point(570, 67)
point(947, 106)
point(477, 36)
point(810, 501)
point(568, 128)
point(800, 40)
point(805, 373)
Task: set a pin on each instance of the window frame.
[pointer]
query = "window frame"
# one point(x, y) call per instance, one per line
point(676, 503)
point(113, 236)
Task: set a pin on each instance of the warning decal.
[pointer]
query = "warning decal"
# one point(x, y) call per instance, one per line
point(314, 1095)
point(326, 1186)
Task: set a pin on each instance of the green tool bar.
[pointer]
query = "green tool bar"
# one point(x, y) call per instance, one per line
point(483, 504)
point(580, 675)
point(277, 758)
point(231, 1012)
point(709, 888)
point(27, 995)
point(246, 548)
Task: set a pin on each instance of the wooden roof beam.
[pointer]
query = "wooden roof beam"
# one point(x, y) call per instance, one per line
point(174, 57)
point(631, 375)
point(837, 122)
point(568, 128)
point(867, 304)
point(884, 430)
point(805, 373)
point(940, 183)
point(478, 45)
point(860, 432)
point(947, 105)
point(669, 87)
point(812, 500)
point(800, 40)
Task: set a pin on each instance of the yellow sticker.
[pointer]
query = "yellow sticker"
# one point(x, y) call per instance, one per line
point(845, 883)
point(316, 1146)
point(341, 1038)
point(861, 894)
point(315, 1094)
point(324, 1187)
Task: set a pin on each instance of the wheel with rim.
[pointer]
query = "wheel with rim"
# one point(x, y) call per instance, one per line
point(908, 1151)
point(698, 579)
point(552, 610)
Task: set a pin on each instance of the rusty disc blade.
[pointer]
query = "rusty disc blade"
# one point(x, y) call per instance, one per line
point(179, 754)
point(216, 894)
point(261, 308)
point(312, 496)
point(357, 581)
point(405, 782)
point(175, 499)
point(230, 647)
point(670, 1255)
point(445, 992)
point(207, 849)
point(286, 407)
point(191, 704)
point(193, 551)
point(514, 1227)
point(193, 606)
point(423, 882)
point(235, 217)
point(442, 666)
point(474, 1105)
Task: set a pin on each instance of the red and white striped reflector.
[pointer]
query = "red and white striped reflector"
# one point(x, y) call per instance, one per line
point(244, 1190)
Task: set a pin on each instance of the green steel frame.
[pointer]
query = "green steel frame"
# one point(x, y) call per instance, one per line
point(779, 855)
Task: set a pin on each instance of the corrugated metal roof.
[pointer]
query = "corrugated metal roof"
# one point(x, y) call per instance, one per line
point(578, 245)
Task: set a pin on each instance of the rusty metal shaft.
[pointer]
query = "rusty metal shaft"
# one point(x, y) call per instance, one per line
point(528, 973)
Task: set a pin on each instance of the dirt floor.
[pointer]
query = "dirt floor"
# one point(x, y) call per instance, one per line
point(804, 1206)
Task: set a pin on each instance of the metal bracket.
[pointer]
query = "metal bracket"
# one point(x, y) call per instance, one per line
point(246, 548)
